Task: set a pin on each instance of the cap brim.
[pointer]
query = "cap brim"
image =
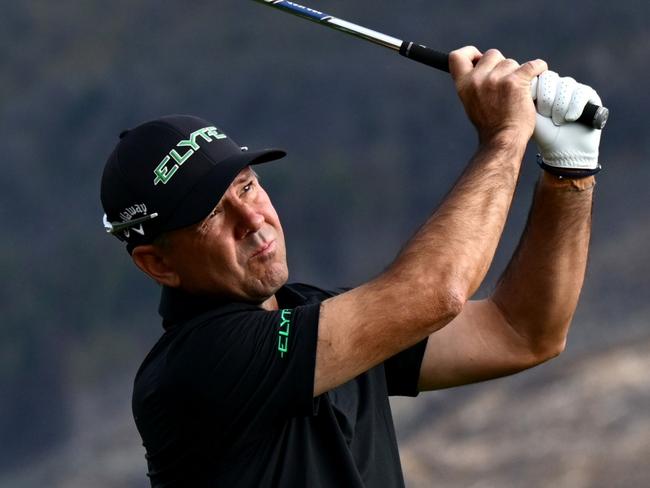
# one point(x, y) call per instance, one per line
point(205, 195)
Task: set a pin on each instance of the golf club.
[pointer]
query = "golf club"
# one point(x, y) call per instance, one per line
point(592, 115)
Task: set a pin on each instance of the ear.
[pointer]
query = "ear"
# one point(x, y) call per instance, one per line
point(151, 260)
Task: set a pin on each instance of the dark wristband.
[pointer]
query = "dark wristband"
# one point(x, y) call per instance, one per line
point(567, 173)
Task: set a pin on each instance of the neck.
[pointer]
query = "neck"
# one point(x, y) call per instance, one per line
point(270, 303)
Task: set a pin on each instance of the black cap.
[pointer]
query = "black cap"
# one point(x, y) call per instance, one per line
point(169, 173)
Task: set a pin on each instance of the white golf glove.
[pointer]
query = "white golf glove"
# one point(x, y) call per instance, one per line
point(562, 143)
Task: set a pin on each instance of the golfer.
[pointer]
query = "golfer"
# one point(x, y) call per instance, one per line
point(259, 383)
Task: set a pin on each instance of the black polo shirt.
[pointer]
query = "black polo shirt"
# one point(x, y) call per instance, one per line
point(225, 399)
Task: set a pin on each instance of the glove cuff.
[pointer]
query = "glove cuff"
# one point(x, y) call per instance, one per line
point(571, 159)
point(567, 172)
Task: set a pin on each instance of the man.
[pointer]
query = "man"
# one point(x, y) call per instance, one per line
point(260, 384)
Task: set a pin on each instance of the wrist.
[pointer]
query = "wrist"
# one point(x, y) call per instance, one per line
point(552, 181)
point(508, 140)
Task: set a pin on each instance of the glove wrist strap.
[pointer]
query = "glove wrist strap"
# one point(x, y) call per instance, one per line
point(567, 173)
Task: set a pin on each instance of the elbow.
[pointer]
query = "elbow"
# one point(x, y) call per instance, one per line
point(427, 302)
point(448, 293)
point(546, 349)
point(455, 301)
point(448, 303)
point(432, 311)
point(452, 293)
point(553, 349)
point(456, 295)
point(557, 335)
point(538, 337)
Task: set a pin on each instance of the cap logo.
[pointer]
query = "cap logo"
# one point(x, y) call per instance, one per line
point(174, 160)
point(129, 213)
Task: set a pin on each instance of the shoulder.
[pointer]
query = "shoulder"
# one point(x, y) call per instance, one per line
point(212, 329)
point(314, 292)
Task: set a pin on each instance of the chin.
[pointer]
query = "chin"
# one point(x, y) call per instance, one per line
point(266, 287)
point(276, 280)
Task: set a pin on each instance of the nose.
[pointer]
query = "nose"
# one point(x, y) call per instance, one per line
point(249, 219)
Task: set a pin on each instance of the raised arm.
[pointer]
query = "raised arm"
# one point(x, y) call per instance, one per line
point(526, 319)
point(443, 265)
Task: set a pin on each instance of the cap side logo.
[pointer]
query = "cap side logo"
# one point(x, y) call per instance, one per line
point(164, 171)
point(129, 213)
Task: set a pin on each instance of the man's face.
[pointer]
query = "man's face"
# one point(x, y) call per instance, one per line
point(237, 251)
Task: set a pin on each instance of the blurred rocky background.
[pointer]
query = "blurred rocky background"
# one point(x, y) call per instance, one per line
point(374, 143)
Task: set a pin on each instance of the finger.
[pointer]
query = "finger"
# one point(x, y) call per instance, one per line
point(489, 61)
point(461, 61)
point(581, 95)
point(546, 88)
point(532, 68)
point(563, 95)
point(505, 67)
point(594, 98)
point(529, 72)
point(533, 88)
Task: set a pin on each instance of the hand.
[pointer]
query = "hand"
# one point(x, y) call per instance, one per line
point(495, 92)
point(560, 102)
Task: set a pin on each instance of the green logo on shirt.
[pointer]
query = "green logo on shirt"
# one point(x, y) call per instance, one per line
point(283, 333)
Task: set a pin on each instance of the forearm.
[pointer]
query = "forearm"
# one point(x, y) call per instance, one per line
point(539, 290)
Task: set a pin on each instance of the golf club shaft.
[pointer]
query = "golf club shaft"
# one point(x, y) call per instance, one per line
point(592, 116)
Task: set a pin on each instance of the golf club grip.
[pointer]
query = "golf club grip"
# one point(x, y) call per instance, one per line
point(592, 115)
point(425, 55)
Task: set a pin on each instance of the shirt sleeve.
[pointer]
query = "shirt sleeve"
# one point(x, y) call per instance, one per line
point(252, 366)
point(403, 370)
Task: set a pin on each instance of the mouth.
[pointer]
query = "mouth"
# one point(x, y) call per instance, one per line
point(265, 249)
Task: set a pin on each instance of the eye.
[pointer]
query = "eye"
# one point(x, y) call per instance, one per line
point(248, 186)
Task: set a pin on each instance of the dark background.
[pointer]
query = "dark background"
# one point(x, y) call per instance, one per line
point(374, 143)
